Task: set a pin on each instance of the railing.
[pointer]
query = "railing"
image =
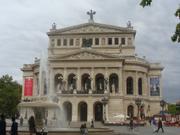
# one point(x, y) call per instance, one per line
point(82, 92)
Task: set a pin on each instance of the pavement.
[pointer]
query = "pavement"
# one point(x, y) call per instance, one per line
point(147, 130)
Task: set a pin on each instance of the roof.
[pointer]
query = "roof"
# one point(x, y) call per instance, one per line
point(92, 28)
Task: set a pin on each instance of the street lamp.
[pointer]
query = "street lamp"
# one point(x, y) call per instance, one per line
point(104, 101)
point(138, 103)
point(162, 104)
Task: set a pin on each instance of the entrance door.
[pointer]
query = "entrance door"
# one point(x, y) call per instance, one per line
point(83, 111)
point(98, 112)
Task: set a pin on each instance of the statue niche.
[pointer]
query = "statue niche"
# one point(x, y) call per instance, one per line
point(113, 83)
point(72, 82)
point(86, 83)
point(59, 83)
point(100, 83)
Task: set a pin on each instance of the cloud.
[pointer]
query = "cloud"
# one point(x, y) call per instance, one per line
point(24, 24)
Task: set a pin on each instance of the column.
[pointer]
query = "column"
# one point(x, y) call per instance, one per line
point(78, 80)
point(106, 77)
point(90, 111)
point(65, 78)
point(92, 79)
point(120, 82)
point(135, 84)
point(74, 111)
point(107, 117)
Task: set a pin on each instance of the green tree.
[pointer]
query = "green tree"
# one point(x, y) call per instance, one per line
point(10, 95)
point(176, 35)
point(172, 108)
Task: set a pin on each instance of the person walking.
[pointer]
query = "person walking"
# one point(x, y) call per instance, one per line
point(160, 125)
point(153, 124)
point(32, 126)
point(131, 124)
point(14, 127)
point(2, 125)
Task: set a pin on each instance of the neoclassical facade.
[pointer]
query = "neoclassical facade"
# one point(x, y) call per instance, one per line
point(93, 72)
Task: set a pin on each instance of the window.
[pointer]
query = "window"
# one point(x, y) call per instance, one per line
point(110, 41)
point(59, 42)
point(65, 42)
point(71, 42)
point(52, 42)
point(86, 42)
point(123, 41)
point(116, 40)
point(77, 42)
point(96, 41)
point(129, 86)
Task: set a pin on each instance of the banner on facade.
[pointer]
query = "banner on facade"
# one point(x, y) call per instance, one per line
point(28, 87)
point(154, 86)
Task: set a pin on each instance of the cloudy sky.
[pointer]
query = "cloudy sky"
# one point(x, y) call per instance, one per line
point(24, 23)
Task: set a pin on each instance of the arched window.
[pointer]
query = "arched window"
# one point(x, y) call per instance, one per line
point(129, 86)
point(82, 111)
point(72, 82)
point(130, 111)
point(58, 82)
point(67, 108)
point(85, 83)
point(100, 83)
point(113, 83)
point(140, 86)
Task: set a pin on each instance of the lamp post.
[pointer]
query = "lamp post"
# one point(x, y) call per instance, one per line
point(138, 103)
point(162, 104)
point(104, 101)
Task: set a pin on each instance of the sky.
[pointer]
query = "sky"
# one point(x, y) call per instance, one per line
point(24, 23)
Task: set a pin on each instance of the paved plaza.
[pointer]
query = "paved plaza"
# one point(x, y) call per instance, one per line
point(147, 130)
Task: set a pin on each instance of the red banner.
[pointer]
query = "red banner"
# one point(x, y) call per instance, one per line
point(28, 87)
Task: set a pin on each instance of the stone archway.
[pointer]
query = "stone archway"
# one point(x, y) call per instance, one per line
point(82, 111)
point(98, 111)
point(67, 107)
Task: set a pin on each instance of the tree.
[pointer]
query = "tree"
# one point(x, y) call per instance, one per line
point(176, 35)
point(10, 95)
point(172, 108)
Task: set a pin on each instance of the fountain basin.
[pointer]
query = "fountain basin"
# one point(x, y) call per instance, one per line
point(71, 131)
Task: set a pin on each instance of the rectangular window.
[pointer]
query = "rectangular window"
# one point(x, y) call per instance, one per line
point(65, 42)
point(123, 41)
point(52, 42)
point(116, 41)
point(59, 42)
point(87, 42)
point(96, 41)
point(71, 42)
point(110, 41)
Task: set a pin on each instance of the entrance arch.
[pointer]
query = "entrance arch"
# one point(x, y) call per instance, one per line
point(98, 111)
point(67, 107)
point(82, 111)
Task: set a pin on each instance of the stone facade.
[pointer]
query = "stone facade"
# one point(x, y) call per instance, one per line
point(94, 73)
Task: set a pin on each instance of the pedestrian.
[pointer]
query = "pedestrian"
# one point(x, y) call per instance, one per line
point(160, 126)
point(21, 121)
point(92, 123)
point(82, 129)
point(131, 124)
point(2, 125)
point(85, 130)
point(14, 127)
point(32, 126)
point(153, 124)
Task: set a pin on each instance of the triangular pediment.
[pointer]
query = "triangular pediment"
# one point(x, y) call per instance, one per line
point(92, 28)
point(85, 55)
